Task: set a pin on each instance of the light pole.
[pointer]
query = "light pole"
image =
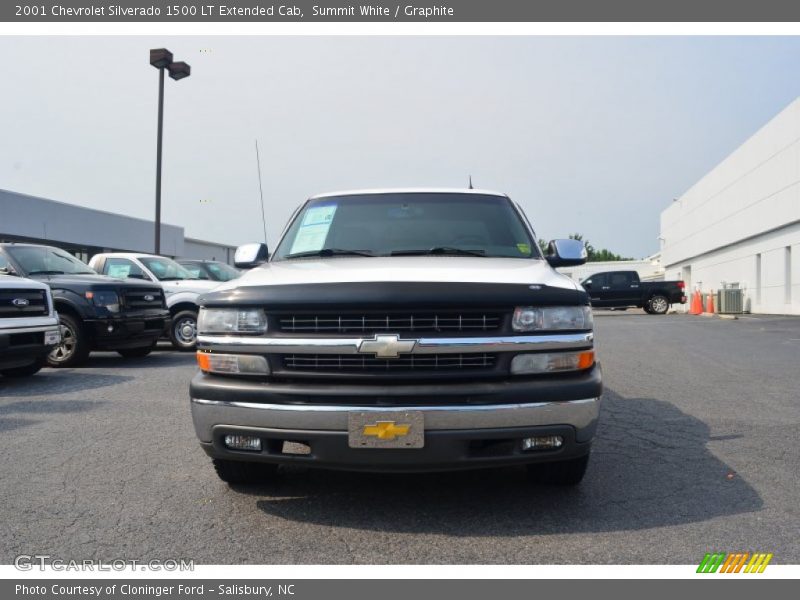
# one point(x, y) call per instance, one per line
point(161, 59)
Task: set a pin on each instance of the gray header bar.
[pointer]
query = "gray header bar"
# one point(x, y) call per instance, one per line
point(734, 587)
point(398, 11)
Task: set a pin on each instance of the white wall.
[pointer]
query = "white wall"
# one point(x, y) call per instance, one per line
point(201, 249)
point(746, 207)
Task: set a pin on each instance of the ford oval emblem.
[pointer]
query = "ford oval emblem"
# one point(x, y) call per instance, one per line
point(149, 298)
point(21, 302)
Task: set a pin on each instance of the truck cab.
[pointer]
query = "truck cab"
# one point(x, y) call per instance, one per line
point(399, 330)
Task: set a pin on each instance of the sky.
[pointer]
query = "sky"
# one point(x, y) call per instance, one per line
point(594, 135)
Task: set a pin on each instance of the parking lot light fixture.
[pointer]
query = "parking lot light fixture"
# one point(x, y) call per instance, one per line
point(179, 70)
point(161, 59)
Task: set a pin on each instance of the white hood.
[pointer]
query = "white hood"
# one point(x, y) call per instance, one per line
point(443, 269)
point(197, 286)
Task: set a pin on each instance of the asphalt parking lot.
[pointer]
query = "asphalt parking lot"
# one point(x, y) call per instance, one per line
point(697, 451)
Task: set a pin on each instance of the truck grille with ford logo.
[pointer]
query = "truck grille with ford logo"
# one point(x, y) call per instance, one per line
point(383, 322)
point(23, 303)
point(141, 299)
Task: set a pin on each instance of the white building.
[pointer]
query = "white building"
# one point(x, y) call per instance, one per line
point(739, 226)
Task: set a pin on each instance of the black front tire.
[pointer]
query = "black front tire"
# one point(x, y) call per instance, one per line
point(233, 471)
point(74, 346)
point(136, 352)
point(659, 305)
point(183, 330)
point(562, 472)
point(25, 371)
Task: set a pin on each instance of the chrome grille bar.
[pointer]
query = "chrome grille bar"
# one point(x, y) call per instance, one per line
point(358, 323)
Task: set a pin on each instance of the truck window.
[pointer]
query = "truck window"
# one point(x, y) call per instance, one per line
point(122, 268)
point(597, 280)
point(383, 224)
point(621, 279)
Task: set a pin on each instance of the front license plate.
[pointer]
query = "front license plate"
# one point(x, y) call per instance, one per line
point(404, 429)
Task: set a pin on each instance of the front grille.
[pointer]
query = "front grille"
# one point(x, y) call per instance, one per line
point(405, 362)
point(391, 322)
point(23, 303)
point(135, 299)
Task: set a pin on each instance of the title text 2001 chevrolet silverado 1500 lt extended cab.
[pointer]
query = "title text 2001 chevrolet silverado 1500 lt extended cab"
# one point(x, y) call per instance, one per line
point(399, 330)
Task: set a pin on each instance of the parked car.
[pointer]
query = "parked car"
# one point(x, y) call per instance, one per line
point(400, 330)
point(180, 288)
point(624, 289)
point(95, 312)
point(29, 327)
point(212, 270)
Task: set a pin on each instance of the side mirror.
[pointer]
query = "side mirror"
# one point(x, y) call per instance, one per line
point(587, 283)
point(250, 255)
point(566, 253)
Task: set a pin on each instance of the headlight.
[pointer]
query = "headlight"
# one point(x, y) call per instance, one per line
point(551, 362)
point(231, 320)
point(534, 318)
point(106, 299)
point(233, 364)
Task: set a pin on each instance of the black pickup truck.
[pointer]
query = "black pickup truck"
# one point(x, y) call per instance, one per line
point(624, 289)
point(95, 312)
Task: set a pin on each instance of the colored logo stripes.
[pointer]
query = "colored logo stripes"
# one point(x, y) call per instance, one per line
point(736, 562)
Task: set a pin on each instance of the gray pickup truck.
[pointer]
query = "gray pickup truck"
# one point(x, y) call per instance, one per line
point(399, 330)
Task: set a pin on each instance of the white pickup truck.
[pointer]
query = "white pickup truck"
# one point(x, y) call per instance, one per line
point(181, 288)
point(29, 326)
point(404, 330)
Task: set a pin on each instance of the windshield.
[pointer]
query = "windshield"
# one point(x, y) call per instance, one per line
point(222, 272)
point(43, 260)
point(165, 269)
point(408, 224)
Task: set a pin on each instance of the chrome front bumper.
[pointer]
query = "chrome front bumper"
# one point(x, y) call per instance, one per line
point(581, 414)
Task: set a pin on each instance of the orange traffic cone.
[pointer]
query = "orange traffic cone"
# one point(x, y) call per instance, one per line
point(697, 304)
point(710, 304)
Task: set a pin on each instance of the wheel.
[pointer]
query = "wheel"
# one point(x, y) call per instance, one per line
point(74, 346)
point(25, 371)
point(136, 352)
point(183, 330)
point(563, 472)
point(659, 305)
point(232, 471)
point(646, 308)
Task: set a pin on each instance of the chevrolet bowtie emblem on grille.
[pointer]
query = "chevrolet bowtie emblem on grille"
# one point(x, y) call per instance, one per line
point(386, 346)
point(149, 298)
point(386, 430)
point(21, 302)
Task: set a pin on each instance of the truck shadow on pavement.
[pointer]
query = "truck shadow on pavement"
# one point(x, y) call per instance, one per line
point(39, 408)
point(52, 382)
point(650, 467)
point(155, 360)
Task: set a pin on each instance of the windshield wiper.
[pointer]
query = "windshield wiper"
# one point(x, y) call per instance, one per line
point(330, 252)
point(440, 250)
point(45, 272)
point(173, 278)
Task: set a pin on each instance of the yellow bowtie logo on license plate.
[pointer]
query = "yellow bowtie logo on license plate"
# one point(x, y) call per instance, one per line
point(386, 430)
